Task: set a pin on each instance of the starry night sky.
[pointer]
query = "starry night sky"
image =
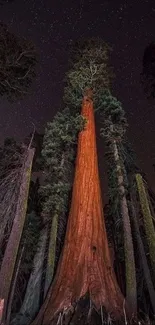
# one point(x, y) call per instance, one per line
point(128, 26)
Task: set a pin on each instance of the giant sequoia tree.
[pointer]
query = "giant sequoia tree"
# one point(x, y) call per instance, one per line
point(85, 265)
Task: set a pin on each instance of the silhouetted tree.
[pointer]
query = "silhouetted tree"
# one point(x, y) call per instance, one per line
point(18, 60)
point(148, 70)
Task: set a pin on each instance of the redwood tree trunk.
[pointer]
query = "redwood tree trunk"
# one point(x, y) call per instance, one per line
point(85, 265)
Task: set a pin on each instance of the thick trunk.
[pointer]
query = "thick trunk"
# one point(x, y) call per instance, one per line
point(148, 222)
point(31, 301)
point(9, 260)
point(146, 270)
point(85, 265)
point(130, 271)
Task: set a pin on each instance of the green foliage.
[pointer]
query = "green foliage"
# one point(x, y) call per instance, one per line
point(17, 64)
point(89, 70)
point(129, 158)
point(114, 124)
point(59, 147)
point(59, 154)
point(113, 130)
point(114, 210)
point(30, 239)
point(112, 117)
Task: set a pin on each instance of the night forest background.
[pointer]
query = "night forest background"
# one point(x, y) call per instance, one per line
point(66, 257)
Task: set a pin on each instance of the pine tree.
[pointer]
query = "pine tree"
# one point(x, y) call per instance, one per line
point(113, 130)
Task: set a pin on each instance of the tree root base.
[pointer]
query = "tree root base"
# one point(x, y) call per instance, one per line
point(84, 313)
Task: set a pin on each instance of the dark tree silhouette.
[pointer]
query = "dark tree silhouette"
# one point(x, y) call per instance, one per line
point(148, 70)
point(17, 64)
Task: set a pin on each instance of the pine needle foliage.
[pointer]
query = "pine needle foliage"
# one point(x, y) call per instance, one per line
point(89, 70)
point(114, 124)
point(113, 131)
point(111, 113)
point(59, 149)
point(58, 153)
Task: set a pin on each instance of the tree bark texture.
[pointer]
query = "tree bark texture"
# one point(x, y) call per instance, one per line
point(9, 259)
point(148, 221)
point(51, 253)
point(130, 270)
point(144, 262)
point(31, 301)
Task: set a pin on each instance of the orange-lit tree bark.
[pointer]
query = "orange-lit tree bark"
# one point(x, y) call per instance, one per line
point(85, 265)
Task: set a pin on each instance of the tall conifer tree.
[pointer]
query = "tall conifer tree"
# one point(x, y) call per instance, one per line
point(85, 266)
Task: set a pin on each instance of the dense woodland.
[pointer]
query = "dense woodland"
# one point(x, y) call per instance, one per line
point(65, 258)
